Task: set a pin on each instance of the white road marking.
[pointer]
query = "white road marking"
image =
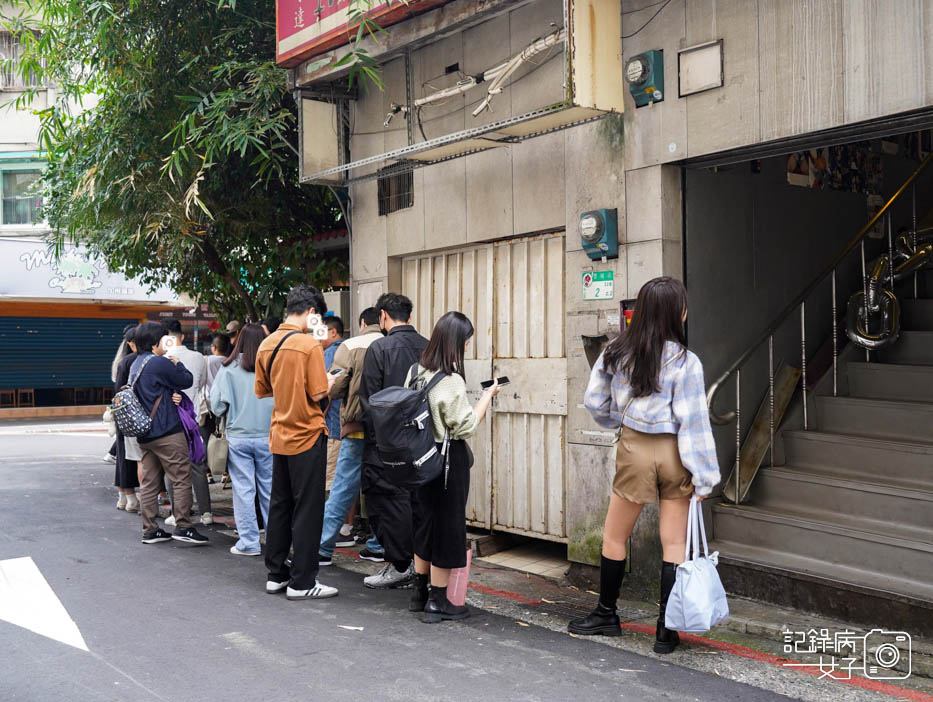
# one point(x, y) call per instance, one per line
point(27, 600)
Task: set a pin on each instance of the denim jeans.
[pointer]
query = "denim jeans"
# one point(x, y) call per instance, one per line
point(249, 462)
point(342, 493)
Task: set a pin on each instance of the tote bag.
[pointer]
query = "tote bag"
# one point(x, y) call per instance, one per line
point(698, 600)
point(217, 448)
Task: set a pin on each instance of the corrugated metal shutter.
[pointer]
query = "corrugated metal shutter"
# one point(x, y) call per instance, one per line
point(462, 281)
point(53, 352)
point(513, 291)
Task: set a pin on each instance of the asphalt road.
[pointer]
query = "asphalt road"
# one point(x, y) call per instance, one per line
point(175, 622)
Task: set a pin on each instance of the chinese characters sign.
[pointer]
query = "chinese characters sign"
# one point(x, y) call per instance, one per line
point(307, 28)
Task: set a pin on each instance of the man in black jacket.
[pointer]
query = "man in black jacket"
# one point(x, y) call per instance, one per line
point(393, 512)
point(156, 378)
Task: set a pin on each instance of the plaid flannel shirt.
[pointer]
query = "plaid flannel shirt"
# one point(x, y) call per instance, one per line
point(679, 408)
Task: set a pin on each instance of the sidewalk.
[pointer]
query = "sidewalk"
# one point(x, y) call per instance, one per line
point(748, 647)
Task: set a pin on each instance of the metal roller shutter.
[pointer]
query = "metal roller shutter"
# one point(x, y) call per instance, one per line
point(54, 352)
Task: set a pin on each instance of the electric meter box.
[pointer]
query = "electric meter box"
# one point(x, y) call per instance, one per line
point(599, 233)
point(645, 76)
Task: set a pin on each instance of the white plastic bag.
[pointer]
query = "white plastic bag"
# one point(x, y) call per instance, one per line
point(698, 600)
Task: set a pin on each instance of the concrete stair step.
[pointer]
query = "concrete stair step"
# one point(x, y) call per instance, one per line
point(886, 419)
point(890, 381)
point(898, 464)
point(912, 348)
point(814, 585)
point(916, 315)
point(870, 506)
point(833, 540)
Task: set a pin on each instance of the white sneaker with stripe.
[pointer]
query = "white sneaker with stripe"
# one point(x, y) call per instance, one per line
point(318, 592)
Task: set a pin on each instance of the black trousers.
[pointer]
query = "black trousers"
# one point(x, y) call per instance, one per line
point(296, 515)
point(394, 515)
point(441, 536)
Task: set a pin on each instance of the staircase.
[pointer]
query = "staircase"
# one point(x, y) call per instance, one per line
point(844, 528)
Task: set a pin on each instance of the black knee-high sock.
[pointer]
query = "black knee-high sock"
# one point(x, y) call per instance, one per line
point(610, 581)
point(668, 576)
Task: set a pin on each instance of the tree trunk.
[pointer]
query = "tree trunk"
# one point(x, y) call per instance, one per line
point(215, 263)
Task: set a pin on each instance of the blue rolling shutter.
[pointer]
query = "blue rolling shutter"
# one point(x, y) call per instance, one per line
point(53, 352)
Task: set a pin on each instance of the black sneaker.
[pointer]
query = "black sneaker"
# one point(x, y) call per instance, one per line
point(157, 536)
point(345, 542)
point(373, 556)
point(190, 535)
point(323, 561)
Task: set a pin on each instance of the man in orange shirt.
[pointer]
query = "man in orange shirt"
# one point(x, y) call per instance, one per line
point(290, 369)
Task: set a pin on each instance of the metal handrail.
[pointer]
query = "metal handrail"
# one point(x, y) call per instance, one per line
point(799, 301)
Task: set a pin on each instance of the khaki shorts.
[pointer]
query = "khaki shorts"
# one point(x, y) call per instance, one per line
point(333, 448)
point(648, 465)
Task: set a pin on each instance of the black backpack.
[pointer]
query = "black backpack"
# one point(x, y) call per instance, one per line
point(402, 421)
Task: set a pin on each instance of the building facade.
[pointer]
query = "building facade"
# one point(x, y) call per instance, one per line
point(506, 132)
point(52, 303)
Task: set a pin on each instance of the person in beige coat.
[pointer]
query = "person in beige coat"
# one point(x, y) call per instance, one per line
point(348, 362)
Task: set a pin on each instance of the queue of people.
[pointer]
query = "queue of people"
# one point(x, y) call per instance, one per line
point(303, 454)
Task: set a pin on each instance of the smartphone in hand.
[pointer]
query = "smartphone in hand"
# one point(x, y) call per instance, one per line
point(503, 380)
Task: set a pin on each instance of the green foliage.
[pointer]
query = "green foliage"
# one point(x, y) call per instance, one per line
point(171, 145)
point(363, 67)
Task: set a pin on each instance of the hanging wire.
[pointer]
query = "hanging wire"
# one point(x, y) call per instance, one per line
point(650, 20)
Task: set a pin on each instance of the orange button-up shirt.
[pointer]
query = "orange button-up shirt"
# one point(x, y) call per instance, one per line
point(297, 374)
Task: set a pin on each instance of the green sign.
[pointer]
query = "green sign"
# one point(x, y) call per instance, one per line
point(598, 285)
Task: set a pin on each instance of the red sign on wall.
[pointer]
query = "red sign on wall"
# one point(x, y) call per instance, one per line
point(307, 28)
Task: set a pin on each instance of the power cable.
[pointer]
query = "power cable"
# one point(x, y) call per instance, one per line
point(650, 20)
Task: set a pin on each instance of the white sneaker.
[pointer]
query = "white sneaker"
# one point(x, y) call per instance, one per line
point(346, 530)
point(318, 592)
point(121, 501)
point(273, 588)
point(109, 459)
point(132, 504)
point(389, 577)
point(207, 519)
point(237, 552)
point(170, 520)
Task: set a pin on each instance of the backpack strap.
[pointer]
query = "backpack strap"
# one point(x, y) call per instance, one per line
point(132, 381)
point(276, 353)
point(438, 377)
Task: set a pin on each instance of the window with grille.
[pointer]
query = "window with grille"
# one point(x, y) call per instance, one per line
point(19, 197)
point(10, 53)
point(396, 191)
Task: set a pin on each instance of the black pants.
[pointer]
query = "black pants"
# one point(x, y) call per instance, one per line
point(296, 515)
point(441, 536)
point(394, 515)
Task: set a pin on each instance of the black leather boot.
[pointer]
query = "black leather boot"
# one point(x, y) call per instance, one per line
point(419, 598)
point(666, 640)
point(439, 608)
point(603, 620)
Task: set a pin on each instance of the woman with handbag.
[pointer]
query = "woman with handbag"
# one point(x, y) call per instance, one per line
point(126, 478)
point(440, 540)
point(650, 387)
point(245, 419)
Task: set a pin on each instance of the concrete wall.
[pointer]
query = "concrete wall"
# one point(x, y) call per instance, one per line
point(542, 184)
point(791, 67)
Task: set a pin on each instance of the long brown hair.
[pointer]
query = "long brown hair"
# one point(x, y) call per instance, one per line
point(246, 347)
point(444, 351)
point(658, 318)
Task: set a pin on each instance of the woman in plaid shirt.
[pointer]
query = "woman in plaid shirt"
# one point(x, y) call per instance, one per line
point(650, 387)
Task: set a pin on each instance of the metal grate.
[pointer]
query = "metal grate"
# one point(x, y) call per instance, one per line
point(10, 51)
point(396, 191)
